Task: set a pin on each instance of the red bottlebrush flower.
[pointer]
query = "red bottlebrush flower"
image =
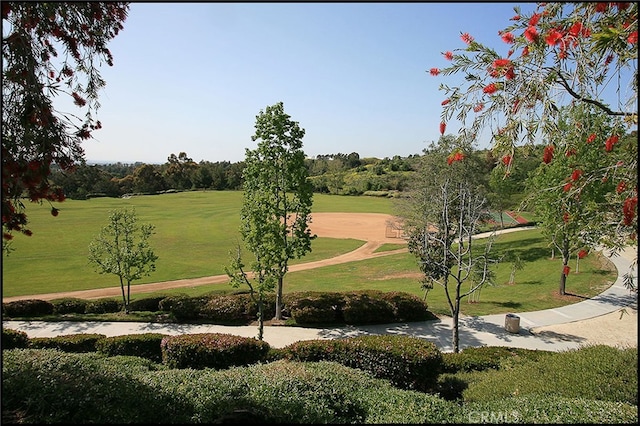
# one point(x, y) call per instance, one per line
point(608, 59)
point(531, 34)
point(466, 38)
point(83, 134)
point(443, 127)
point(525, 51)
point(566, 270)
point(610, 142)
point(490, 89)
point(510, 74)
point(570, 152)
point(533, 21)
point(602, 7)
point(567, 187)
point(577, 173)
point(553, 37)
point(506, 160)
point(78, 100)
point(455, 156)
point(27, 232)
point(547, 155)
point(582, 254)
point(515, 18)
point(434, 71)
point(501, 63)
point(445, 102)
point(575, 29)
point(6, 235)
point(621, 187)
point(478, 107)
point(448, 55)
point(591, 138)
point(622, 5)
point(54, 211)
point(629, 210)
point(633, 37)
point(508, 38)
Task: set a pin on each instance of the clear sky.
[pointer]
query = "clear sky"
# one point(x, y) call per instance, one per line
point(191, 77)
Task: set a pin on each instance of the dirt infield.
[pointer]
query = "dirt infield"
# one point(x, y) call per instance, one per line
point(374, 228)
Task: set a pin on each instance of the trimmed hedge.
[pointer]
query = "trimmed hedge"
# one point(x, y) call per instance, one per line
point(12, 339)
point(68, 342)
point(145, 345)
point(486, 357)
point(305, 308)
point(408, 362)
point(211, 350)
point(146, 304)
point(69, 305)
point(103, 306)
point(27, 308)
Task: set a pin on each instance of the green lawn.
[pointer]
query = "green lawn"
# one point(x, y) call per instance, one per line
point(196, 230)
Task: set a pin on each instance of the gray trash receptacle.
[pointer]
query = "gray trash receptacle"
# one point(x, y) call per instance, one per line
point(512, 323)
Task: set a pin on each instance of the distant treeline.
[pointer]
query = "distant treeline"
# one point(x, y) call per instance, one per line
point(340, 174)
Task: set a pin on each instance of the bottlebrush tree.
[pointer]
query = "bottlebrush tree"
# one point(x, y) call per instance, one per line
point(49, 49)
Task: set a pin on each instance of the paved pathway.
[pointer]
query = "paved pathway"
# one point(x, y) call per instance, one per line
point(486, 330)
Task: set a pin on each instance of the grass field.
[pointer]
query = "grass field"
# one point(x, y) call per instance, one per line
point(196, 230)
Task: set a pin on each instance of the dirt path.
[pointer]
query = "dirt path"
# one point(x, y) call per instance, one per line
point(374, 228)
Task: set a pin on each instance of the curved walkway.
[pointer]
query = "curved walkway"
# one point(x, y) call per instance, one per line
point(486, 330)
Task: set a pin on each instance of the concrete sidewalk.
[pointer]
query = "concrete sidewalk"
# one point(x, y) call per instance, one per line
point(486, 330)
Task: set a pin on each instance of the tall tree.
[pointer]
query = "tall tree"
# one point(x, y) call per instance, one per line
point(562, 192)
point(440, 217)
point(34, 135)
point(277, 197)
point(122, 248)
point(559, 53)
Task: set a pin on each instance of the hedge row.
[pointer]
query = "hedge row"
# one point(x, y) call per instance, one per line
point(47, 386)
point(305, 308)
point(407, 362)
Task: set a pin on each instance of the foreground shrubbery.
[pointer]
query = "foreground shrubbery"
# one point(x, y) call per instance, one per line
point(304, 308)
point(50, 386)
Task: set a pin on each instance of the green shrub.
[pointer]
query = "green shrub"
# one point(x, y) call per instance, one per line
point(486, 357)
point(367, 307)
point(308, 308)
point(12, 339)
point(146, 345)
point(45, 386)
point(548, 409)
point(595, 372)
point(68, 342)
point(146, 304)
point(407, 307)
point(103, 306)
point(69, 305)
point(27, 308)
point(214, 350)
point(408, 362)
point(184, 308)
point(230, 309)
point(49, 386)
point(166, 303)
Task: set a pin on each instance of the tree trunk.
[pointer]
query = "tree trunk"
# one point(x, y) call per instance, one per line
point(124, 298)
point(455, 330)
point(260, 316)
point(278, 315)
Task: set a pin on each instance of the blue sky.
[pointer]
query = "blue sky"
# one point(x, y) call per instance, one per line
point(191, 77)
